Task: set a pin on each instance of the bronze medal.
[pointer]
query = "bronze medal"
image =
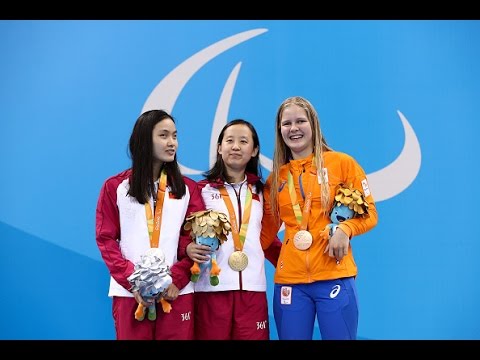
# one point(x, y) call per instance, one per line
point(302, 240)
point(238, 261)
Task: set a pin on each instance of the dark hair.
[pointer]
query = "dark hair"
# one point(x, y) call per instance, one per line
point(141, 153)
point(218, 170)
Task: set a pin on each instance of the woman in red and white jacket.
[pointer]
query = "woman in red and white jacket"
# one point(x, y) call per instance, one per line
point(152, 190)
point(236, 308)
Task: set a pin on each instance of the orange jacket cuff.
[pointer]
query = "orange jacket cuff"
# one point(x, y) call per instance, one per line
point(346, 230)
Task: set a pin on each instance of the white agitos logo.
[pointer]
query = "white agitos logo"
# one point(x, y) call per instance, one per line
point(386, 183)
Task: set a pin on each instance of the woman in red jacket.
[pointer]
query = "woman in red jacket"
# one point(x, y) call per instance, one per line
point(236, 308)
point(142, 208)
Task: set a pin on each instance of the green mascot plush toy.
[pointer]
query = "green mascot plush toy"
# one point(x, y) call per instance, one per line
point(209, 228)
point(349, 203)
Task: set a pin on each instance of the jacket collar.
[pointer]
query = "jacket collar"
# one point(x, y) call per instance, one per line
point(300, 164)
point(251, 179)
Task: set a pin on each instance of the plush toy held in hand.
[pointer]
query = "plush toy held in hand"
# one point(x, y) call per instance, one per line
point(208, 227)
point(348, 203)
point(151, 278)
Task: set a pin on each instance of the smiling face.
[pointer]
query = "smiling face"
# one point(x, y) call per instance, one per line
point(296, 131)
point(164, 137)
point(237, 148)
point(341, 213)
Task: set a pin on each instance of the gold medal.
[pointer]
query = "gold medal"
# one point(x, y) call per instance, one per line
point(302, 240)
point(238, 261)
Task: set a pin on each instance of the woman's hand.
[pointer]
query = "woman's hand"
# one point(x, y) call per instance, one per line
point(171, 293)
point(338, 245)
point(198, 253)
point(140, 300)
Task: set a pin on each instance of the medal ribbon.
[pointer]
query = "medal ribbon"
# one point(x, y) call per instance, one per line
point(154, 224)
point(302, 216)
point(238, 236)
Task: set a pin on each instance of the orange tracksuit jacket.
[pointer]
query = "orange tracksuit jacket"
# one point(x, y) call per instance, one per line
point(305, 266)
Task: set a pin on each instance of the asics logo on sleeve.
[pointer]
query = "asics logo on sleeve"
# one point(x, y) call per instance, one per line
point(335, 291)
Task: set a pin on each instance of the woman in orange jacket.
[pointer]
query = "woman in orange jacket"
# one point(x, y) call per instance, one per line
point(315, 273)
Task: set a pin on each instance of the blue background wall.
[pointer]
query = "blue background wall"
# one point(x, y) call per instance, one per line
point(71, 91)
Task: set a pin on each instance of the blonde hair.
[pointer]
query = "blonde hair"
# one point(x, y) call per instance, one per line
point(282, 153)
